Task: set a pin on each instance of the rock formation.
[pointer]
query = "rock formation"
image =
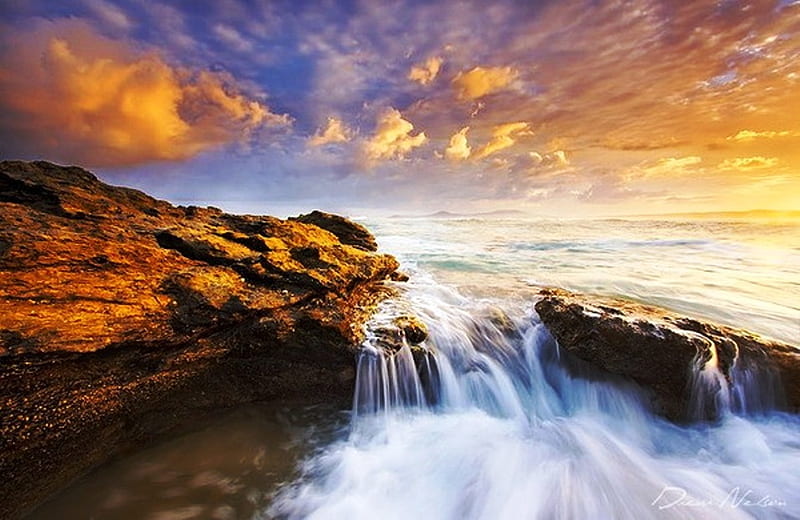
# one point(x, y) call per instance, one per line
point(122, 315)
point(661, 351)
point(346, 231)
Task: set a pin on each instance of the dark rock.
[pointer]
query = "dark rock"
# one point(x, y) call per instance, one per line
point(399, 276)
point(346, 231)
point(413, 329)
point(401, 331)
point(122, 315)
point(658, 349)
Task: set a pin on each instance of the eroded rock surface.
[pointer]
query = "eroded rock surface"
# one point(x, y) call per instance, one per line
point(660, 350)
point(348, 232)
point(120, 315)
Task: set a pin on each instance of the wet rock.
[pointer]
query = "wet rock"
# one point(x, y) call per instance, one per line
point(501, 321)
point(659, 350)
point(402, 330)
point(122, 315)
point(413, 329)
point(399, 276)
point(346, 231)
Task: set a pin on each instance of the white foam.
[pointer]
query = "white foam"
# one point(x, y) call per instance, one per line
point(512, 434)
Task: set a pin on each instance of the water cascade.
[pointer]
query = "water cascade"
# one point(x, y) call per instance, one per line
point(488, 419)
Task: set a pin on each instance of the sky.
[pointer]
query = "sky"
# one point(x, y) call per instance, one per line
point(561, 108)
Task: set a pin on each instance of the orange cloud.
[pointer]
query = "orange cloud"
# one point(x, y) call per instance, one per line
point(503, 136)
point(87, 99)
point(392, 138)
point(751, 135)
point(458, 149)
point(554, 159)
point(480, 81)
point(748, 163)
point(334, 132)
point(425, 72)
point(667, 167)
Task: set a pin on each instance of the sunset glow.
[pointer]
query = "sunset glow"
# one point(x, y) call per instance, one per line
point(556, 108)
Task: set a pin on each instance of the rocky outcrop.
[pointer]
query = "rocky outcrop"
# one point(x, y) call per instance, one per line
point(662, 351)
point(122, 315)
point(346, 231)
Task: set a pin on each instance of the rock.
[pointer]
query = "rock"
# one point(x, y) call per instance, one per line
point(658, 349)
point(399, 276)
point(346, 231)
point(122, 316)
point(405, 329)
point(413, 329)
point(501, 321)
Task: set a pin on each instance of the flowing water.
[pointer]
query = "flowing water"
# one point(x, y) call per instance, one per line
point(490, 420)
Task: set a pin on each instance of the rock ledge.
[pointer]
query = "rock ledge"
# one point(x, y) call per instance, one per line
point(659, 349)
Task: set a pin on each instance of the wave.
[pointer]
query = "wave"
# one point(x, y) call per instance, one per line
point(491, 420)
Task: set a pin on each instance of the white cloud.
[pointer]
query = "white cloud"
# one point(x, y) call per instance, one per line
point(109, 14)
point(233, 38)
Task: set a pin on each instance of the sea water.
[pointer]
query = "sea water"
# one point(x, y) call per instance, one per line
point(491, 423)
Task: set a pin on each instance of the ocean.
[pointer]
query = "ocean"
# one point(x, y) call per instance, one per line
point(511, 433)
point(740, 273)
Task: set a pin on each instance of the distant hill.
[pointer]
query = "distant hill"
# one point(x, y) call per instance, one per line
point(501, 213)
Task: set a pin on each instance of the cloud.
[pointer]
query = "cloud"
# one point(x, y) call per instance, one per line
point(85, 98)
point(392, 138)
point(480, 81)
point(684, 82)
point(558, 158)
point(109, 14)
point(334, 132)
point(668, 163)
point(459, 148)
point(232, 38)
point(554, 159)
point(425, 72)
point(748, 163)
point(666, 167)
point(503, 136)
point(751, 135)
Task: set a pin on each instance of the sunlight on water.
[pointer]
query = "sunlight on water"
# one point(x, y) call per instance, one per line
point(740, 273)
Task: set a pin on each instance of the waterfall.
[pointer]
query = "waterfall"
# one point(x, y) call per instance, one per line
point(487, 419)
point(749, 388)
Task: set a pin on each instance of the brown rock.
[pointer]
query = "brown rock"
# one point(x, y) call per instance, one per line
point(658, 349)
point(122, 315)
point(348, 232)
